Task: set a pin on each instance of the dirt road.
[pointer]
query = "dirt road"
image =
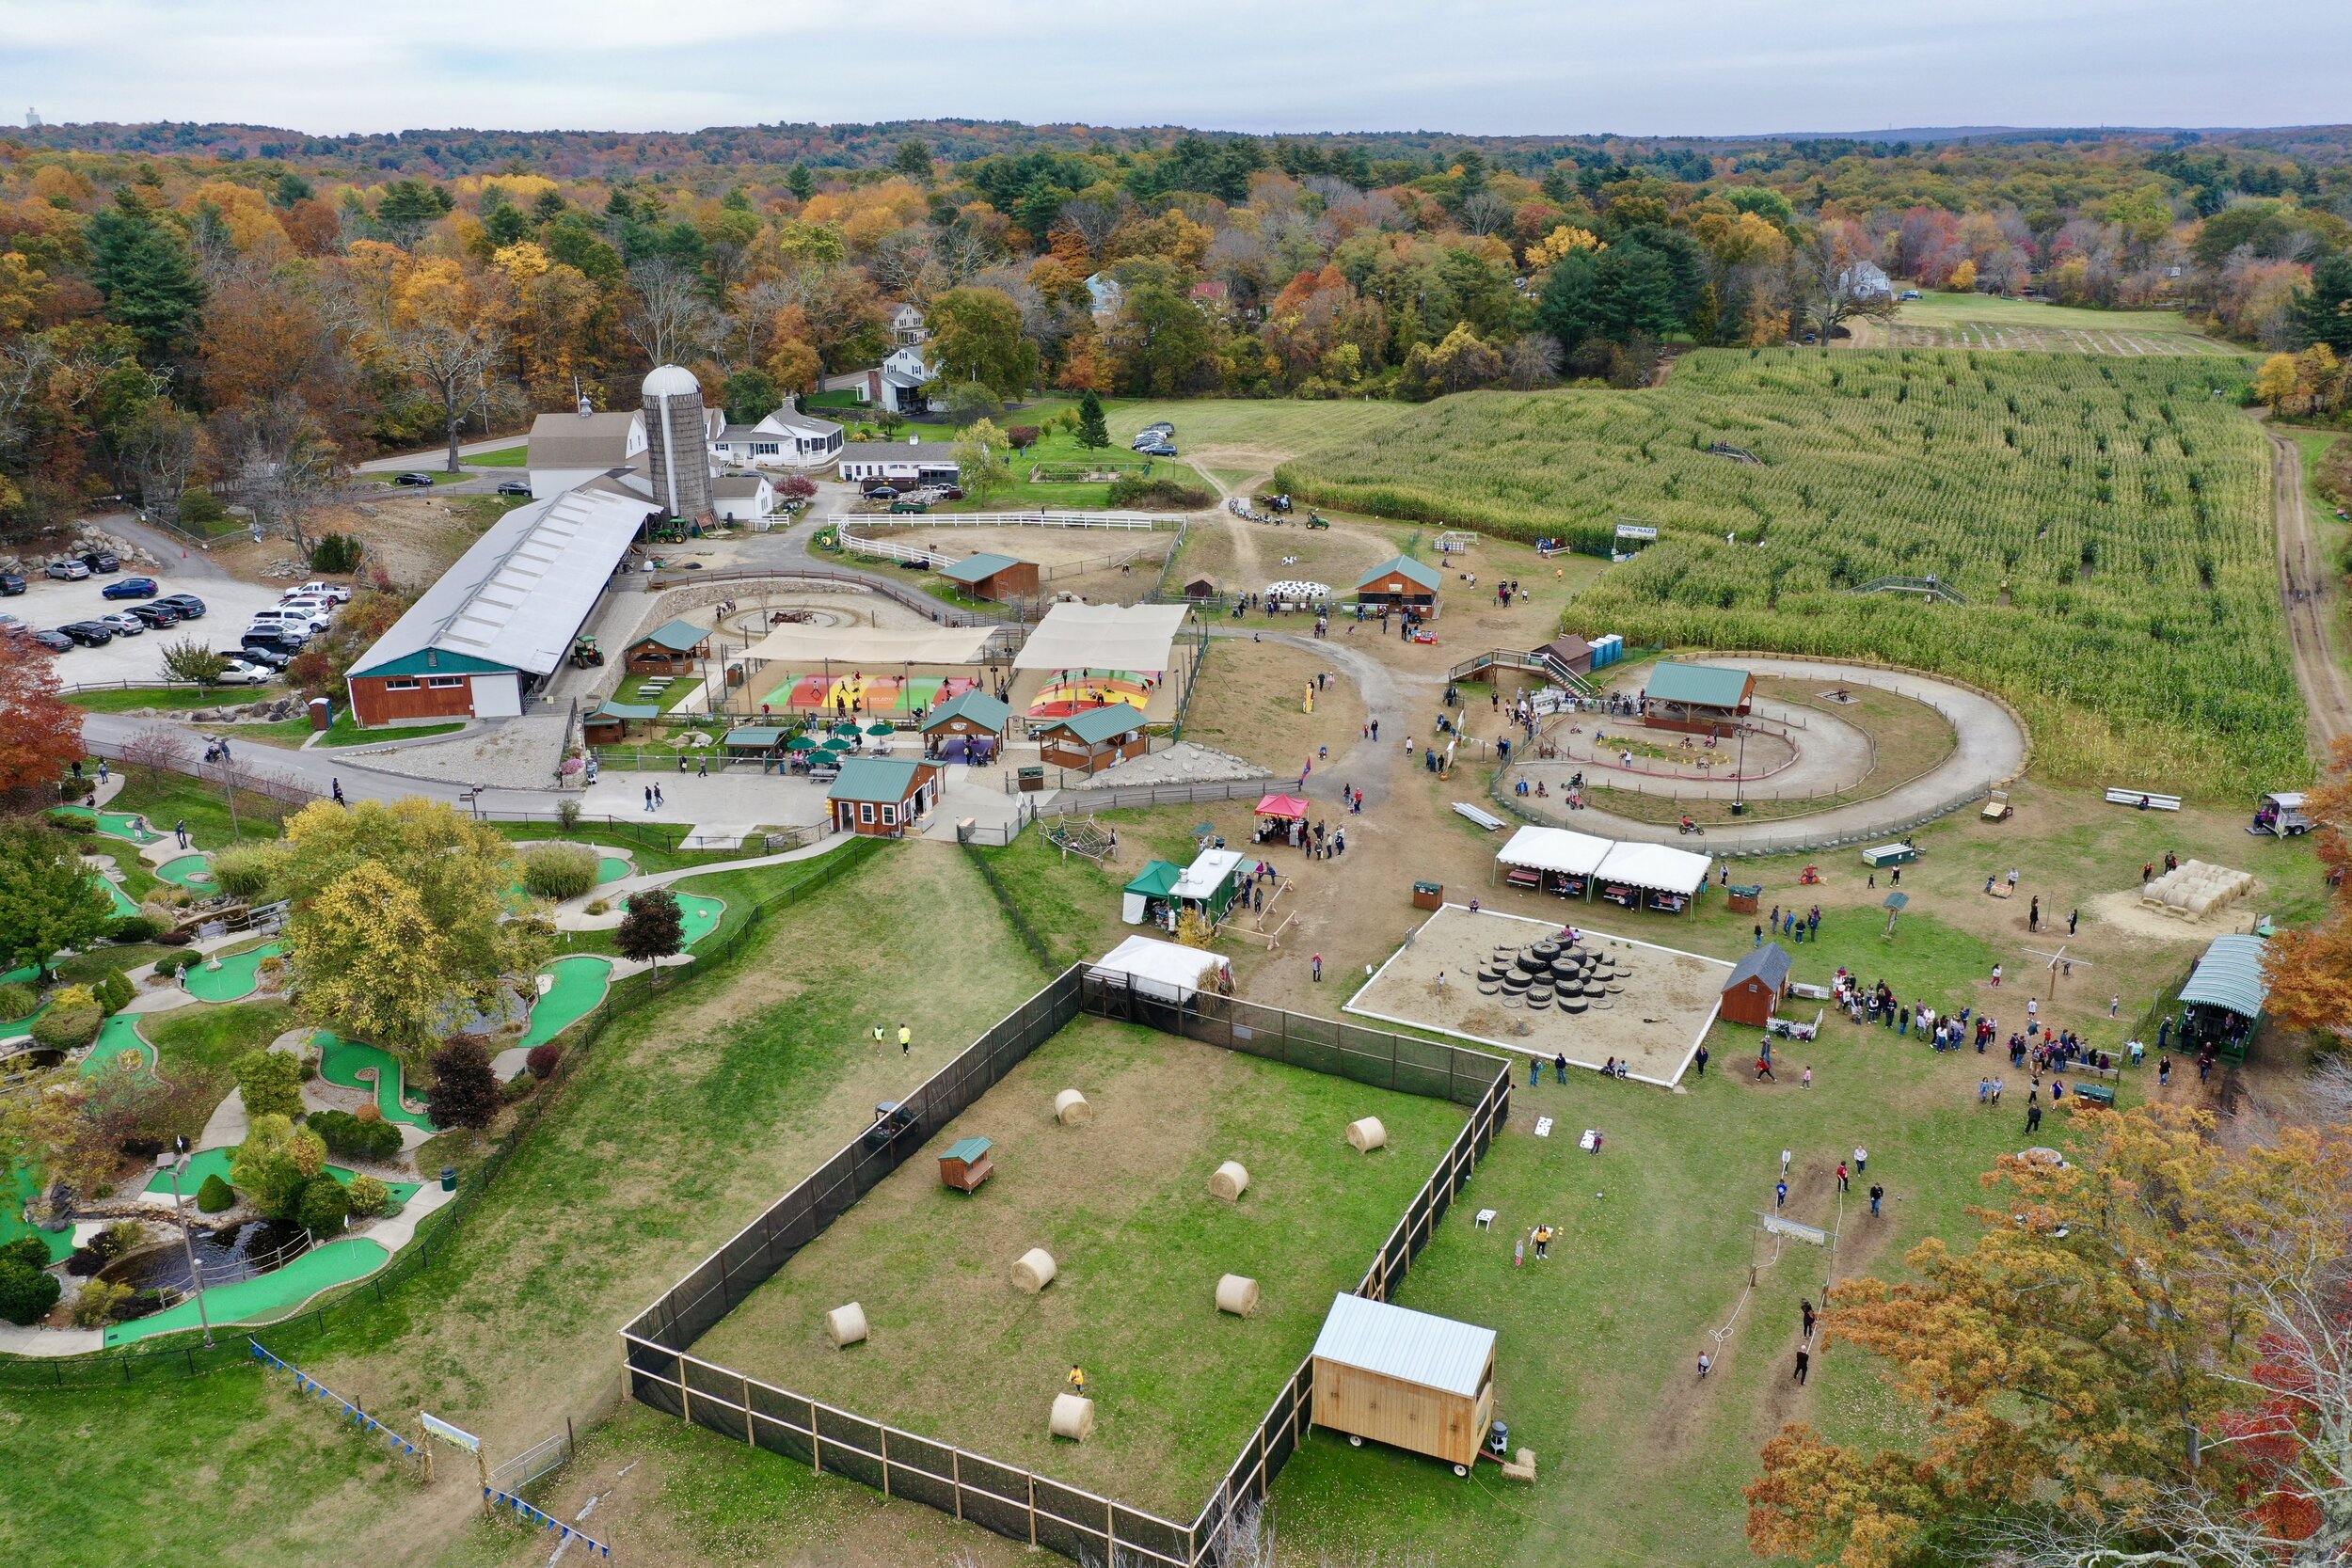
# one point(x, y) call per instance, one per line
point(2307, 585)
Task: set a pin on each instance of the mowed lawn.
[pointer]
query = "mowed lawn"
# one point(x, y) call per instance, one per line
point(962, 1355)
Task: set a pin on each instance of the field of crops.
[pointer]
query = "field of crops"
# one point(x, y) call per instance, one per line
point(2108, 520)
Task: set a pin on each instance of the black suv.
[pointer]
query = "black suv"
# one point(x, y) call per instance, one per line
point(11, 585)
point(155, 613)
point(186, 606)
point(256, 653)
point(101, 560)
point(89, 634)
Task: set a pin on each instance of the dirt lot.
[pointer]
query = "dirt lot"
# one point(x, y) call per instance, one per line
point(1654, 1024)
point(1252, 704)
point(1100, 565)
point(1123, 1204)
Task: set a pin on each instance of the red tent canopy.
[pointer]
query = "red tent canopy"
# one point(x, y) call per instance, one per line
point(1289, 807)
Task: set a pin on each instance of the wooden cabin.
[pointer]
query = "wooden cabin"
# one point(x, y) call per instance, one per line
point(1758, 983)
point(671, 650)
point(993, 577)
point(1409, 1379)
point(1092, 738)
point(963, 726)
point(608, 725)
point(882, 797)
point(1403, 584)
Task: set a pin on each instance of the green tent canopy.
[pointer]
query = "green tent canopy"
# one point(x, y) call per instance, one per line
point(800, 743)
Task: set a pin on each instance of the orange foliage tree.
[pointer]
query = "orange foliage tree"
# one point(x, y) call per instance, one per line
point(42, 737)
point(2086, 1375)
point(2309, 971)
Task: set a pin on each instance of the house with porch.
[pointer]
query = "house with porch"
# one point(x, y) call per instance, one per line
point(883, 797)
point(1092, 738)
point(787, 439)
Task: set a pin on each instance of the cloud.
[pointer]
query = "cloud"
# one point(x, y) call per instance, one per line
point(1693, 67)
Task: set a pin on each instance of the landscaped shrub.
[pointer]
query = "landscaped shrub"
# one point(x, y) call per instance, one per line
point(1158, 494)
point(543, 1058)
point(114, 991)
point(335, 553)
point(173, 963)
point(369, 1197)
point(559, 871)
point(27, 1249)
point(27, 1294)
point(18, 1000)
point(325, 1207)
point(174, 937)
point(131, 927)
point(67, 1028)
point(72, 822)
point(351, 1137)
point(215, 1196)
point(271, 1081)
point(518, 1087)
point(567, 812)
point(275, 1163)
point(96, 1305)
point(465, 1091)
point(242, 870)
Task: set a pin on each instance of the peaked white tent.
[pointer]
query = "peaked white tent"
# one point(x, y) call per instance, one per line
point(1167, 970)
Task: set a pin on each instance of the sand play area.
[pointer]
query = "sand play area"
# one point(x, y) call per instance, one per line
point(1656, 1006)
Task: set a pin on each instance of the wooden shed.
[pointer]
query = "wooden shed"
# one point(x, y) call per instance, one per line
point(965, 728)
point(667, 650)
point(966, 1164)
point(1201, 588)
point(1091, 738)
point(989, 576)
point(883, 797)
point(1402, 582)
point(1698, 698)
point(1757, 982)
point(608, 725)
point(1404, 1378)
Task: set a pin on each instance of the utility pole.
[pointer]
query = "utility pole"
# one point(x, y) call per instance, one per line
point(174, 1164)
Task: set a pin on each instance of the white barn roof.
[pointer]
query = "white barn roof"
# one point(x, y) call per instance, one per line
point(518, 596)
point(1410, 1346)
point(1555, 849)
point(1655, 868)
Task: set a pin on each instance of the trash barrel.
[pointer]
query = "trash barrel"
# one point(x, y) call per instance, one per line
point(449, 1178)
point(1499, 1438)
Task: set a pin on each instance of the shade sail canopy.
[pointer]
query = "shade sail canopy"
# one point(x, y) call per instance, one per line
point(1103, 636)
point(857, 645)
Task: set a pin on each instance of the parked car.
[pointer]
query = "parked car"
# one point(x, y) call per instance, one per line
point(1160, 428)
point(302, 623)
point(11, 585)
point(237, 673)
point(89, 634)
point(882, 492)
point(414, 481)
point(319, 588)
point(68, 571)
point(1908, 294)
point(262, 652)
point(186, 606)
point(271, 643)
point(316, 605)
point(12, 626)
point(124, 623)
point(1158, 449)
point(55, 641)
point(101, 560)
point(155, 614)
point(513, 487)
point(130, 588)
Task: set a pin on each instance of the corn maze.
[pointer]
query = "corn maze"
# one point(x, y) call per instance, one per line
point(2107, 519)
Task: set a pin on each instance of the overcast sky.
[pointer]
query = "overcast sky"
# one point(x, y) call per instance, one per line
point(1530, 67)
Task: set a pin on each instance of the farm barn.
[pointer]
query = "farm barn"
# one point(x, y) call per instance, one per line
point(1407, 1379)
point(1402, 582)
point(994, 578)
point(1757, 982)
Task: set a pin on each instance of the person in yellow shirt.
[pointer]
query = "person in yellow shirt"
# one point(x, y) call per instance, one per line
point(1543, 1240)
point(1078, 1380)
point(906, 1039)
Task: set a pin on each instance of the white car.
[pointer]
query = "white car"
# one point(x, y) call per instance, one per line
point(234, 673)
point(339, 592)
point(321, 611)
point(124, 623)
point(300, 622)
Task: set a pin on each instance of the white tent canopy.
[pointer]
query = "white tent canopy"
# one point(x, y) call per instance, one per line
point(1555, 849)
point(1204, 876)
point(1168, 970)
point(862, 646)
point(1654, 868)
point(1104, 637)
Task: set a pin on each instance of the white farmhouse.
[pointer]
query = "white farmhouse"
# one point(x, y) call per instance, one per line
point(787, 439)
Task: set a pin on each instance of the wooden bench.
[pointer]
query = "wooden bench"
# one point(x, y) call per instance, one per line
point(2135, 798)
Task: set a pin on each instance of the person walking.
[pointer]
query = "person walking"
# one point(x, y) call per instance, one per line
point(2072, 915)
point(2164, 1069)
point(1807, 1080)
point(1997, 977)
point(1780, 1195)
point(649, 797)
point(1785, 1157)
point(1877, 1192)
point(1760, 935)
point(1707, 1364)
point(1843, 1179)
point(336, 793)
point(1534, 1070)
point(1804, 1363)
point(2033, 1118)
point(1805, 1307)
point(103, 774)
point(2033, 915)
point(906, 1040)
point(1861, 1158)
point(1701, 1060)
point(1317, 961)
point(180, 829)
point(2115, 1006)
point(1518, 1253)
point(878, 1039)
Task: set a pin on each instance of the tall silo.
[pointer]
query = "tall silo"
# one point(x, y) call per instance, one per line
point(678, 442)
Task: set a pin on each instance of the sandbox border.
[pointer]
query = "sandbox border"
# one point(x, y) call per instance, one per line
point(659, 1371)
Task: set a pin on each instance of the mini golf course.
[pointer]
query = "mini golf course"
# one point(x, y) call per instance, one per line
point(20, 1185)
point(698, 913)
point(265, 1298)
point(115, 824)
point(194, 872)
point(124, 904)
point(215, 1162)
point(342, 1061)
point(118, 1035)
point(612, 868)
point(238, 976)
point(579, 985)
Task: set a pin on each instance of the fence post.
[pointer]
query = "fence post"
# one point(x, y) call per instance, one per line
point(1032, 1479)
point(886, 1457)
point(954, 1478)
point(816, 1444)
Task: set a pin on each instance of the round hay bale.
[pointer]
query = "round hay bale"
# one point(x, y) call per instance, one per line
point(846, 1324)
point(1367, 1135)
point(1229, 1180)
point(1034, 1269)
point(1070, 1108)
point(1073, 1418)
point(1237, 1294)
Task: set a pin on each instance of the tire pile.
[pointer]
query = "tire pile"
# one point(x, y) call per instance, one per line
point(1552, 975)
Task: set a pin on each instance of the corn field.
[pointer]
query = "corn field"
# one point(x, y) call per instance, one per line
point(2109, 521)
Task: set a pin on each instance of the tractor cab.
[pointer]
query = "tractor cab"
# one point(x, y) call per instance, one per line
point(585, 654)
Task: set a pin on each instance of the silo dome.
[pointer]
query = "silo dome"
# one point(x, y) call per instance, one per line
point(669, 381)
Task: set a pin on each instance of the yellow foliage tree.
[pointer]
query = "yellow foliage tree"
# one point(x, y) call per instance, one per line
point(1567, 237)
point(2276, 382)
point(371, 964)
point(1194, 930)
point(1963, 278)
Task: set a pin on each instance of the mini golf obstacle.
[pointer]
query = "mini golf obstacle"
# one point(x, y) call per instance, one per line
point(188, 871)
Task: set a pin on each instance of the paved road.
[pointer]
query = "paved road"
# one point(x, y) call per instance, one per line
point(436, 459)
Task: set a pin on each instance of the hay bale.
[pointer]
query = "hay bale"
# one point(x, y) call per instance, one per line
point(1034, 1269)
point(1229, 1180)
point(1237, 1294)
point(846, 1324)
point(1367, 1135)
point(1073, 1418)
point(1071, 1110)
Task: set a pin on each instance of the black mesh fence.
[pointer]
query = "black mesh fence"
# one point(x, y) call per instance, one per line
point(1001, 1497)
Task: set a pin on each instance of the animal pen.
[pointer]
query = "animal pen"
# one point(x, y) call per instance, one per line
point(660, 1369)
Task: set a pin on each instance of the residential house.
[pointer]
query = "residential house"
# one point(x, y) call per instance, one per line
point(907, 326)
point(1105, 294)
point(787, 439)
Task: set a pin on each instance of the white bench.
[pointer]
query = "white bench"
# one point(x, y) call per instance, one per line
point(1485, 819)
point(2134, 796)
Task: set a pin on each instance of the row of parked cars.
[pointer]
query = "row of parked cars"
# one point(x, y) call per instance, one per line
point(1156, 440)
point(275, 636)
point(156, 611)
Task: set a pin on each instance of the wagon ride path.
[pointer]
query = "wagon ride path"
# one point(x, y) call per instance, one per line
point(2307, 586)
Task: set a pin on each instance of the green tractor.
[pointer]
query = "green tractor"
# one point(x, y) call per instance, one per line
point(1316, 519)
point(585, 654)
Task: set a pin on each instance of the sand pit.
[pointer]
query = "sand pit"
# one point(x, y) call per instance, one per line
point(1654, 1020)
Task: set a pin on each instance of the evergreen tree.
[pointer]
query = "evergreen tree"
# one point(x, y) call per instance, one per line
point(914, 160)
point(292, 188)
point(408, 208)
point(2327, 310)
point(505, 224)
point(145, 274)
point(549, 207)
point(801, 182)
point(751, 396)
point(1093, 433)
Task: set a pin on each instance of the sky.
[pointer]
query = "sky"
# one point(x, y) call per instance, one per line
point(1468, 67)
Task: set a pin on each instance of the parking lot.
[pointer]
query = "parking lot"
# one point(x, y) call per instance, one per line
point(46, 604)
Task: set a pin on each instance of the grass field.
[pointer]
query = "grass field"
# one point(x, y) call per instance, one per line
point(2109, 521)
point(1123, 1204)
point(168, 798)
point(1990, 321)
point(173, 699)
point(518, 456)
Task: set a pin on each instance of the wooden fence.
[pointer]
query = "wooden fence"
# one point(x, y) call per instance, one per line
point(659, 1371)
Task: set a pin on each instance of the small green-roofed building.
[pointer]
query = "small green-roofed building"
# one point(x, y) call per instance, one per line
point(973, 712)
point(667, 649)
point(1156, 884)
point(608, 725)
point(965, 1164)
point(2221, 1005)
point(1092, 738)
point(1696, 697)
point(882, 797)
point(989, 576)
point(1402, 582)
point(754, 738)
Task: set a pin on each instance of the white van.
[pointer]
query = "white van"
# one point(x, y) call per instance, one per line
point(301, 622)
